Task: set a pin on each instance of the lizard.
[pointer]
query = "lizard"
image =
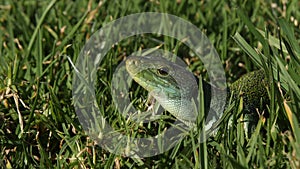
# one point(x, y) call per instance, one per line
point(174, 88)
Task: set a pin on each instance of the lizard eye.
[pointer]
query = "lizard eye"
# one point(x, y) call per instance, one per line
point(164, 71)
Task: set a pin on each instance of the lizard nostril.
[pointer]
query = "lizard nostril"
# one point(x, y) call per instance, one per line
point(130, 61)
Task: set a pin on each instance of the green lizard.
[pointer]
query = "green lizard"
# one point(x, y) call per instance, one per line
point(174, 88)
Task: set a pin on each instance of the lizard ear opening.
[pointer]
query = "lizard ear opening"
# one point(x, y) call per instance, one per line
point(163, 71)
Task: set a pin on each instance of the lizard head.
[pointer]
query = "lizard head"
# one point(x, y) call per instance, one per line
point(172, 85)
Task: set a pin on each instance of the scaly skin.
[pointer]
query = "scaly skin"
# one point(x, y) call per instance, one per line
point(252, 88)
point(175, 88)
point(170, 84)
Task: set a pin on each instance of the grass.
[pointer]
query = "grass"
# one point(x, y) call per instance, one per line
point(38, 124)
